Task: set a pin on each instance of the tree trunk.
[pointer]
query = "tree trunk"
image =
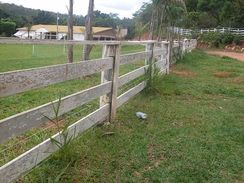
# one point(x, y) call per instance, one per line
point(151, 26)
point(88, 32)
point(70, 31)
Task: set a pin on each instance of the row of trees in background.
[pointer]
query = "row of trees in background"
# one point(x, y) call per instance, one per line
point(183, 13)
point(193, 14)
point(22, 16)
point(214, 13)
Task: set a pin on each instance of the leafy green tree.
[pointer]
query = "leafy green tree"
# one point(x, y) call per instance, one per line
point(7, 27)
point(213, 13)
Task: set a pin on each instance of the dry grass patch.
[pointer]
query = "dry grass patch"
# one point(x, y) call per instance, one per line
point(223, 74)
point(238, 80)
point(184, 73)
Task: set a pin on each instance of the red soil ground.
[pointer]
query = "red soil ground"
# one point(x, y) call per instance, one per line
point(238, 56)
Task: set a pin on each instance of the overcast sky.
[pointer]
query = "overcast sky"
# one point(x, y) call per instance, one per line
point(125, 8)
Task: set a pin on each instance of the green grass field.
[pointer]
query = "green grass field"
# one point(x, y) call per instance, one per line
point(17, 57)
point(194, 132)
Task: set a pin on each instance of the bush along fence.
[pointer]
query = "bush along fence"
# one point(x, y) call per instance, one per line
point(109, 65)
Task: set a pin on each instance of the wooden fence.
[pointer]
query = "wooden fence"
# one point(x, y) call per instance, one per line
point(187, 32)
point(23, 80)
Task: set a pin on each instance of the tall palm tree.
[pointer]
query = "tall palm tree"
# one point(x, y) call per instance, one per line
point(140, 29)
point(88, 32)
point(163, 15)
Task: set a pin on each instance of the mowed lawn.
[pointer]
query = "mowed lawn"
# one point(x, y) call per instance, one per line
point(194, 132)
point(17, 57)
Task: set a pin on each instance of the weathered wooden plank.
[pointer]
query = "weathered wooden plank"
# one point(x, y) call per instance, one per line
point(149, 49)
point(25, 162)
point(130, 58)
point(130, 93)
point(161, 65)
point(6, 40)
point(23, 80)
point(131, 75)
point(22, 122)
point(54, 42)
point(106, 75)
point(138, 42)
point(115, 80)
point(159, 52)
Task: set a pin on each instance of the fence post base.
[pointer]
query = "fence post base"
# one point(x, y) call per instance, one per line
point(111, 75)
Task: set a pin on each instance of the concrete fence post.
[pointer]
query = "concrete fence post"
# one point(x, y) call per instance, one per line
point(111, 75)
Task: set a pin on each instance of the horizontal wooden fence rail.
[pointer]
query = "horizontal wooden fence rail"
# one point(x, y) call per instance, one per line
point(15, 168)
point(4, 40)
point(130, 93)
point(24, 121)
point(7, 40)
point(19, 81)
point(132, 75)
point(129, 58)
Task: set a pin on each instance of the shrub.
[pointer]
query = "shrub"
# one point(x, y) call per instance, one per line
point(216, 39)
point(7, 27)
point(227, 38)
point(237, 39)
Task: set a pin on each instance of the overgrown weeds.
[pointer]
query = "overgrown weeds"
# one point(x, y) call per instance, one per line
point(152, 78)
point(64, 140)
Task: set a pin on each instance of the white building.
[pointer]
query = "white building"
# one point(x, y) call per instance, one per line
point(60, 32)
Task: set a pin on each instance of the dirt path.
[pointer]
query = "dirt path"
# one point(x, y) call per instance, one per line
point(238, 56)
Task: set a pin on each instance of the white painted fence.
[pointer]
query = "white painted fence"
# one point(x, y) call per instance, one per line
point(19, 81)
point(187, 32)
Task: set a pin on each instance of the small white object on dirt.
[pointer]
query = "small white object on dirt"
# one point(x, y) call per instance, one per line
point(141, 115)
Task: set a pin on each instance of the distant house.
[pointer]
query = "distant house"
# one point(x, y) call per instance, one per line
point(60, 32)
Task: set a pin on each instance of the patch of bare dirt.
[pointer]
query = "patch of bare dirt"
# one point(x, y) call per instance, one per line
point(155, 161)
point(239, 181)
point(223, 74)
point(184, 73)
point(52, 125)
point(238, 56)
point(238, 80)
point(137, 174)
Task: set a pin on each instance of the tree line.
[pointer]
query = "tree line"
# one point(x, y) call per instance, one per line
point(22, 16)
point(194, 14)
point(214, 13)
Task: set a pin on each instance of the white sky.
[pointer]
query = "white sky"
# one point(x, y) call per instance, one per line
point(125, 8)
